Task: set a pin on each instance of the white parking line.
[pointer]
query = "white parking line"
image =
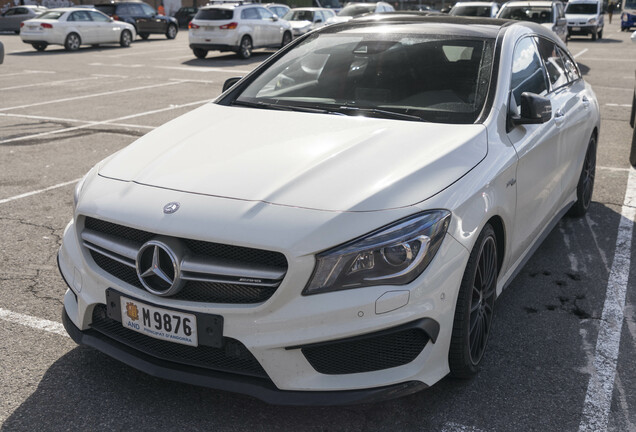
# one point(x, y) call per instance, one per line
point(47, 83)
point(580, 53)
point(26, 72)
point(613, 88)
point(65, 120)
point(598, 400)
point(456, 427)
point(130, 66)
point(33, 322)
point(39, 191)
point(57, 131)
point(133, 54)
point(618, 105)
point(90, 96)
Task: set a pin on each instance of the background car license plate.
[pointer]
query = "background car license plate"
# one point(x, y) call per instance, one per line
point(159, 323)
point(576, 28)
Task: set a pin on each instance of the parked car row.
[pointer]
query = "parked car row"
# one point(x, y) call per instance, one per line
point(242, 27)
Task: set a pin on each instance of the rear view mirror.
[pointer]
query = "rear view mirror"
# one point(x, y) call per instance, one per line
point(535, 109)
point(230, 82)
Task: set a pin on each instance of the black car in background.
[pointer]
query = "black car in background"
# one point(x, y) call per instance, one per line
point(143, 16)
point(185, 15)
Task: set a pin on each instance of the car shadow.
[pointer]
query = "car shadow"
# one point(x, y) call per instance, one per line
point(583, 68)
point(87, 390)
point(588, 39)
point(229, 59)
point(59, 49)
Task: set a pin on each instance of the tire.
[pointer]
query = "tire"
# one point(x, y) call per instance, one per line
point(594, 35)
point(41, 46)
point(475, 307)
point(171, 33)
point(632, 154)
point(72, 42)
point(600, 34)
point(245, 48)
point(585, 186)
point(144, 36)
point(200, 52)
point(125, 39)
point(287, 38)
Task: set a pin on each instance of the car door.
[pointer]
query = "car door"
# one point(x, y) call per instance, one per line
point(142, 22)
point(105, 30)
point(538, 179)
point(156, 24)
point(84, 25)
point(14, 19)
point(252, 19)
point(271, 27)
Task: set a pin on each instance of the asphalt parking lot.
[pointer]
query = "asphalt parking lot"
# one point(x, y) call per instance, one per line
point(562, 356)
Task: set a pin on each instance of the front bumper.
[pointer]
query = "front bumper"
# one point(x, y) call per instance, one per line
point(579, 30)
point(260, 388)
point(279, 332)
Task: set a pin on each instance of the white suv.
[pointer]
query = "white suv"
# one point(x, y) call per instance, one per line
point(585, 17)
point(237, 27)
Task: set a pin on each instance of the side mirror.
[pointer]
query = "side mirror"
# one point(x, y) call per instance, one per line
point(274, 17)
point(230, 82)
point(535, 109)
point(111, 19)
point(319, 20)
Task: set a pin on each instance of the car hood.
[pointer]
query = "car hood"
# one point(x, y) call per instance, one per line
point(314, 161)
point(581, 17)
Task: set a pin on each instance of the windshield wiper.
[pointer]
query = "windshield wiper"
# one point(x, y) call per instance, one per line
point(266, 105)
point(376, 112)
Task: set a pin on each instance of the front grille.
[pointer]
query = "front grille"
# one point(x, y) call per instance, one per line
point(234, 357)
point(114, 247)
point(367, 353)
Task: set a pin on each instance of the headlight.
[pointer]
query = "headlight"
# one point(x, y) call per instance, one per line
point(393, 255)
point(591, 21)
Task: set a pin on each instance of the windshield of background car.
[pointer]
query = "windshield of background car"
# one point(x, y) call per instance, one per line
point(51, 15)
point(581, 8)
point(355, 10)
point(332, 4)
point(418, 77)
point(214, 14)
point(538, 14)
point(302, 15)
point(480, 11)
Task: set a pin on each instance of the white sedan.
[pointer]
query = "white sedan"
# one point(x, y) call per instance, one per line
point(73, 27)
point(357, 252)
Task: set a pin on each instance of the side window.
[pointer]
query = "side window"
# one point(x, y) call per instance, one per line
point(99, 17)
point(264, 13)
point(79, 16)
point(570, 67)
point(318, 17)
point(528, 74)
point(148, 10)
point(122, 10)
point(250, 14)
point(551, 56)
point(135, 10)
point(21, 11)
point(9, 12)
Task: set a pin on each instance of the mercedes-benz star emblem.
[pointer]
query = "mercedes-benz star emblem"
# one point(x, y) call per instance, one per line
point(158, 269)
point(171, 207)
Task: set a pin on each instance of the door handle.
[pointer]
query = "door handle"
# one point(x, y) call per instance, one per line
point(559, 116)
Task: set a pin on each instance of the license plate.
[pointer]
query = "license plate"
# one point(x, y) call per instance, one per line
point(159, 323)
point(32, 27)
point(576, 28)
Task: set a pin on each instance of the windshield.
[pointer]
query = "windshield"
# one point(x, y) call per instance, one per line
point(299, 15)
point(480, 11)
point(629, 4)
point(415, 77)
point(331, 4)
point(536, 14)
point(355, 10)
point(582, 8)
point(51, 15)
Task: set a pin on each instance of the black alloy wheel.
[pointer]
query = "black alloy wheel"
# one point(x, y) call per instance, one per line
point(40, 46)
point(125, 39)
point(200, 52)
point(245, 48)
point(585, 187)
point(475, 307)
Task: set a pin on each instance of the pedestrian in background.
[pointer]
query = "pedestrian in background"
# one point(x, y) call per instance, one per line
point(610, 11)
